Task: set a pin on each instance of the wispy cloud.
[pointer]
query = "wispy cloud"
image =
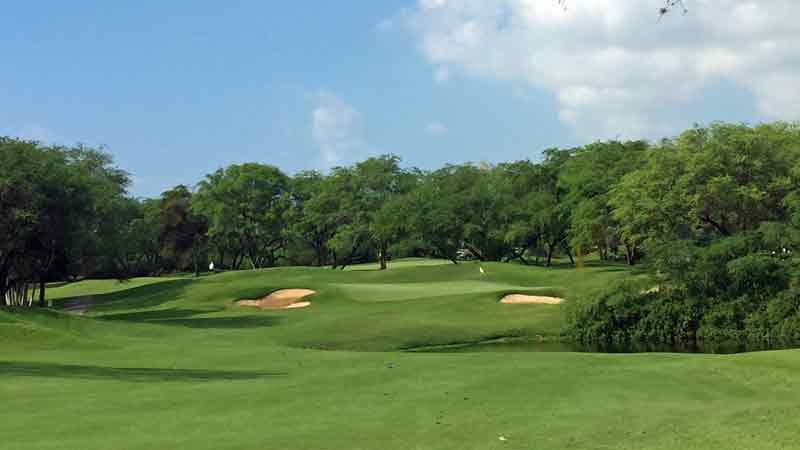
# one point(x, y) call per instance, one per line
point(336, 127)
point(436, 129)
point(442, 74)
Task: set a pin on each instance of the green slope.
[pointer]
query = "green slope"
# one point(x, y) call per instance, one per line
point(173, 364)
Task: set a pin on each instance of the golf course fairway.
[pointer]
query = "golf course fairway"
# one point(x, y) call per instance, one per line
point(175, 363)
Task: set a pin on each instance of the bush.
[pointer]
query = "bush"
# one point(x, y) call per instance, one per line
point(757, 276)
point(721, 291)
point(607, 315)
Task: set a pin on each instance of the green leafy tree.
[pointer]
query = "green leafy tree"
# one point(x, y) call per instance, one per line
point(183, 232)
point(587, 177)
point(540, 217)
point(142, 234)
point(54, 200)
point(708, 183)
point(338, 213)
point(434, 213)
point(380, 181)
point(312, 218)
point(738, 176)
point(246, 205)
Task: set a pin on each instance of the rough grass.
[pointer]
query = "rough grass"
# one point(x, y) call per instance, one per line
point(173, 364)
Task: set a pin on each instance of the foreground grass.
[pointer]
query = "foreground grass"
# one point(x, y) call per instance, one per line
point(174, 364)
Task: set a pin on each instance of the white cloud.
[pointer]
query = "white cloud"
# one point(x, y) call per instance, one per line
point(436, 129)
point(615, 69)
point(442, 74)
point(336, 127)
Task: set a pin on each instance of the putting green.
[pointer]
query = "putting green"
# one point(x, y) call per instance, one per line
point(403, 263)
point(388, 292)
point(173, 363)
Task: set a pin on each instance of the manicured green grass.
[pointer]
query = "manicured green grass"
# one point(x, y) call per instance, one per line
point(98, 287)
point(406, 262)
point(174, 364)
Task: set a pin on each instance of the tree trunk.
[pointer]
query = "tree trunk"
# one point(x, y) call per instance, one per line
point(41, 292)
point(550, 250)
point(382, 255)
point(475, 251)
point(196, 257)
point(321, 253)
point(4, 281)
point(447, 254)
point(720, 227)
point(630, 254)
point(346, 262)
point(350, 257)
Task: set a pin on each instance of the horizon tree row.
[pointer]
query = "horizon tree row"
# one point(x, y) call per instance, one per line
point(66, 212)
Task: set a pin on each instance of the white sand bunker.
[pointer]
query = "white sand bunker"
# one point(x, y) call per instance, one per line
point(519, 299)
point(282, 299)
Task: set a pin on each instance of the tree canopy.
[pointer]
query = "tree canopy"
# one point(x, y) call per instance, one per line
point(712, 214)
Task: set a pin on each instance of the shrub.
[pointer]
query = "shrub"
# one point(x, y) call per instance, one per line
point(721, 291)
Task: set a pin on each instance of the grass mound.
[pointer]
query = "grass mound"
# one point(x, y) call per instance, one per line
point(176, 364)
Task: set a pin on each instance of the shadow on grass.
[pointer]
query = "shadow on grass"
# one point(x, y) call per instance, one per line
point(240, 322)
point(138, 374)
point(154, 315)
point(186, 318)
point(147, 296)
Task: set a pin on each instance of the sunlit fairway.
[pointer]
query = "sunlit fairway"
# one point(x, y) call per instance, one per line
point(406, 262)
point(98, 287)
point(168, 363)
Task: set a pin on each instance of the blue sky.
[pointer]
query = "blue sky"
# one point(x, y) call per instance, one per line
point(177, 89)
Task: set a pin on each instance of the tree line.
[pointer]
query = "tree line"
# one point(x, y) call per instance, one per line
point(716, 212)
point(66, 211)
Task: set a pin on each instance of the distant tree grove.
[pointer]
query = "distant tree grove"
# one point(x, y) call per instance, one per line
point(65, 212)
